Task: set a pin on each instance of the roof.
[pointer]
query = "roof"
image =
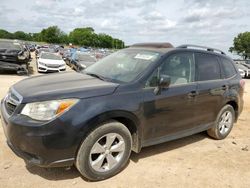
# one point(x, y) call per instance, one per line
point(158, 47)
point(154, 45)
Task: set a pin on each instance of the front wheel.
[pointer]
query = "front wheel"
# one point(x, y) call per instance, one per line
point(104, 152)
point(224, 123)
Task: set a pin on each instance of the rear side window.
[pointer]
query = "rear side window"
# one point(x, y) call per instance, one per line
point(228, 68)
point(208, 67)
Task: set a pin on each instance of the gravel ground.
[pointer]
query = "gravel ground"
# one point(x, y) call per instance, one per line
point(194, 161)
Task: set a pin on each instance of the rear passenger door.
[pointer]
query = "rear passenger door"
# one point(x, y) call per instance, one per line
point(211, 87)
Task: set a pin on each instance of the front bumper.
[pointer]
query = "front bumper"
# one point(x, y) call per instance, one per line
point(12, 66)
point(42, 68)
point(51, 144)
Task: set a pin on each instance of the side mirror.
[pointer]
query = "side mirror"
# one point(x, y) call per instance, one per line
point(163, 83)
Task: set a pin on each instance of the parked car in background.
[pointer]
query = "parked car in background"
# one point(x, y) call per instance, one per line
point(13, 56)
point(139, 96)
point(71, 52)
point(81, 61)
point(65, 53)
point(244, 69)
point(40, 50)
point(32, 47)
point(50, 62)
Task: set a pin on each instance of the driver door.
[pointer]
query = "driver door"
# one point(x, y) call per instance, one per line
point(171, 111)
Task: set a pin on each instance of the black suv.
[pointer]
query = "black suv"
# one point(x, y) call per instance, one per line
point(139, 96)
point(14, 56)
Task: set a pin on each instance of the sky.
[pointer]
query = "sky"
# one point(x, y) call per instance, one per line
point(212, 23)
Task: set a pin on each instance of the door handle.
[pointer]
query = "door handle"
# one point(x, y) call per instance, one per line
point(193, 94)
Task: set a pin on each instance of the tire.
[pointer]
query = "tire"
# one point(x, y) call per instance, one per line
point(89, 154)
point(223, 124)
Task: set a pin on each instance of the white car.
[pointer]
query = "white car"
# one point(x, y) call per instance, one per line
point(50, 62)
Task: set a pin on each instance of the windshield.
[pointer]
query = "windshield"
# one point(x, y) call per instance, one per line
point(83, 57)
point(124, 65)
point(50, 56)
point(10, 45)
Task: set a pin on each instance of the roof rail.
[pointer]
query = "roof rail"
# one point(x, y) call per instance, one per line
point(153, 45)
point(202, 47)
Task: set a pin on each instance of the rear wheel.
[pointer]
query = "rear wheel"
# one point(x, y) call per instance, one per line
point(104, 152)
point(223, 124)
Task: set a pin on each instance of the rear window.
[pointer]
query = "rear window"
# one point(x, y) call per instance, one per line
point(208, 67)
point(228, 68)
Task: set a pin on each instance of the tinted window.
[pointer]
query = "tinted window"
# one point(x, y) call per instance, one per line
point(179, 67)
point(228, 68)
point(208, 67)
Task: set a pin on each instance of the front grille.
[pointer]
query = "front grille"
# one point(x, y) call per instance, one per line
point(10, 108)
point(53, 66)
point(11, 102)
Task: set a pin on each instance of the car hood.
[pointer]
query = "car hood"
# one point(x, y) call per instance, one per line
point(61, 86)
point(9, 51)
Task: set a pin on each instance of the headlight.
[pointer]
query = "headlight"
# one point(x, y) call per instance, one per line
point(83, 66)
point(41, 63)
point(47, 110)
point(21, 57)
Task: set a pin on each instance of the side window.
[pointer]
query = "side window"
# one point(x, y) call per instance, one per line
point(179, 67)
point(228, 68)
point(208, 67)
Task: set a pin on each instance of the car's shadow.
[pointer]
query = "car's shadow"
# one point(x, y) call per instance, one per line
point(55, 174)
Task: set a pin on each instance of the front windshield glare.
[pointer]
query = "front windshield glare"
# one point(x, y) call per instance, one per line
point(124, 65)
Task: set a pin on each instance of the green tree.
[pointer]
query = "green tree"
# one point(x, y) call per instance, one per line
point(36, 37)
point(241, 45)
point(5, 34)
point(22, 35)
point(118, 44)
point(51, 34)
point(105, 41)
point(83, 36)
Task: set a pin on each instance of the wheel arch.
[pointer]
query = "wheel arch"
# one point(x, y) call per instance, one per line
point(127, 118)
point(235, 106)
